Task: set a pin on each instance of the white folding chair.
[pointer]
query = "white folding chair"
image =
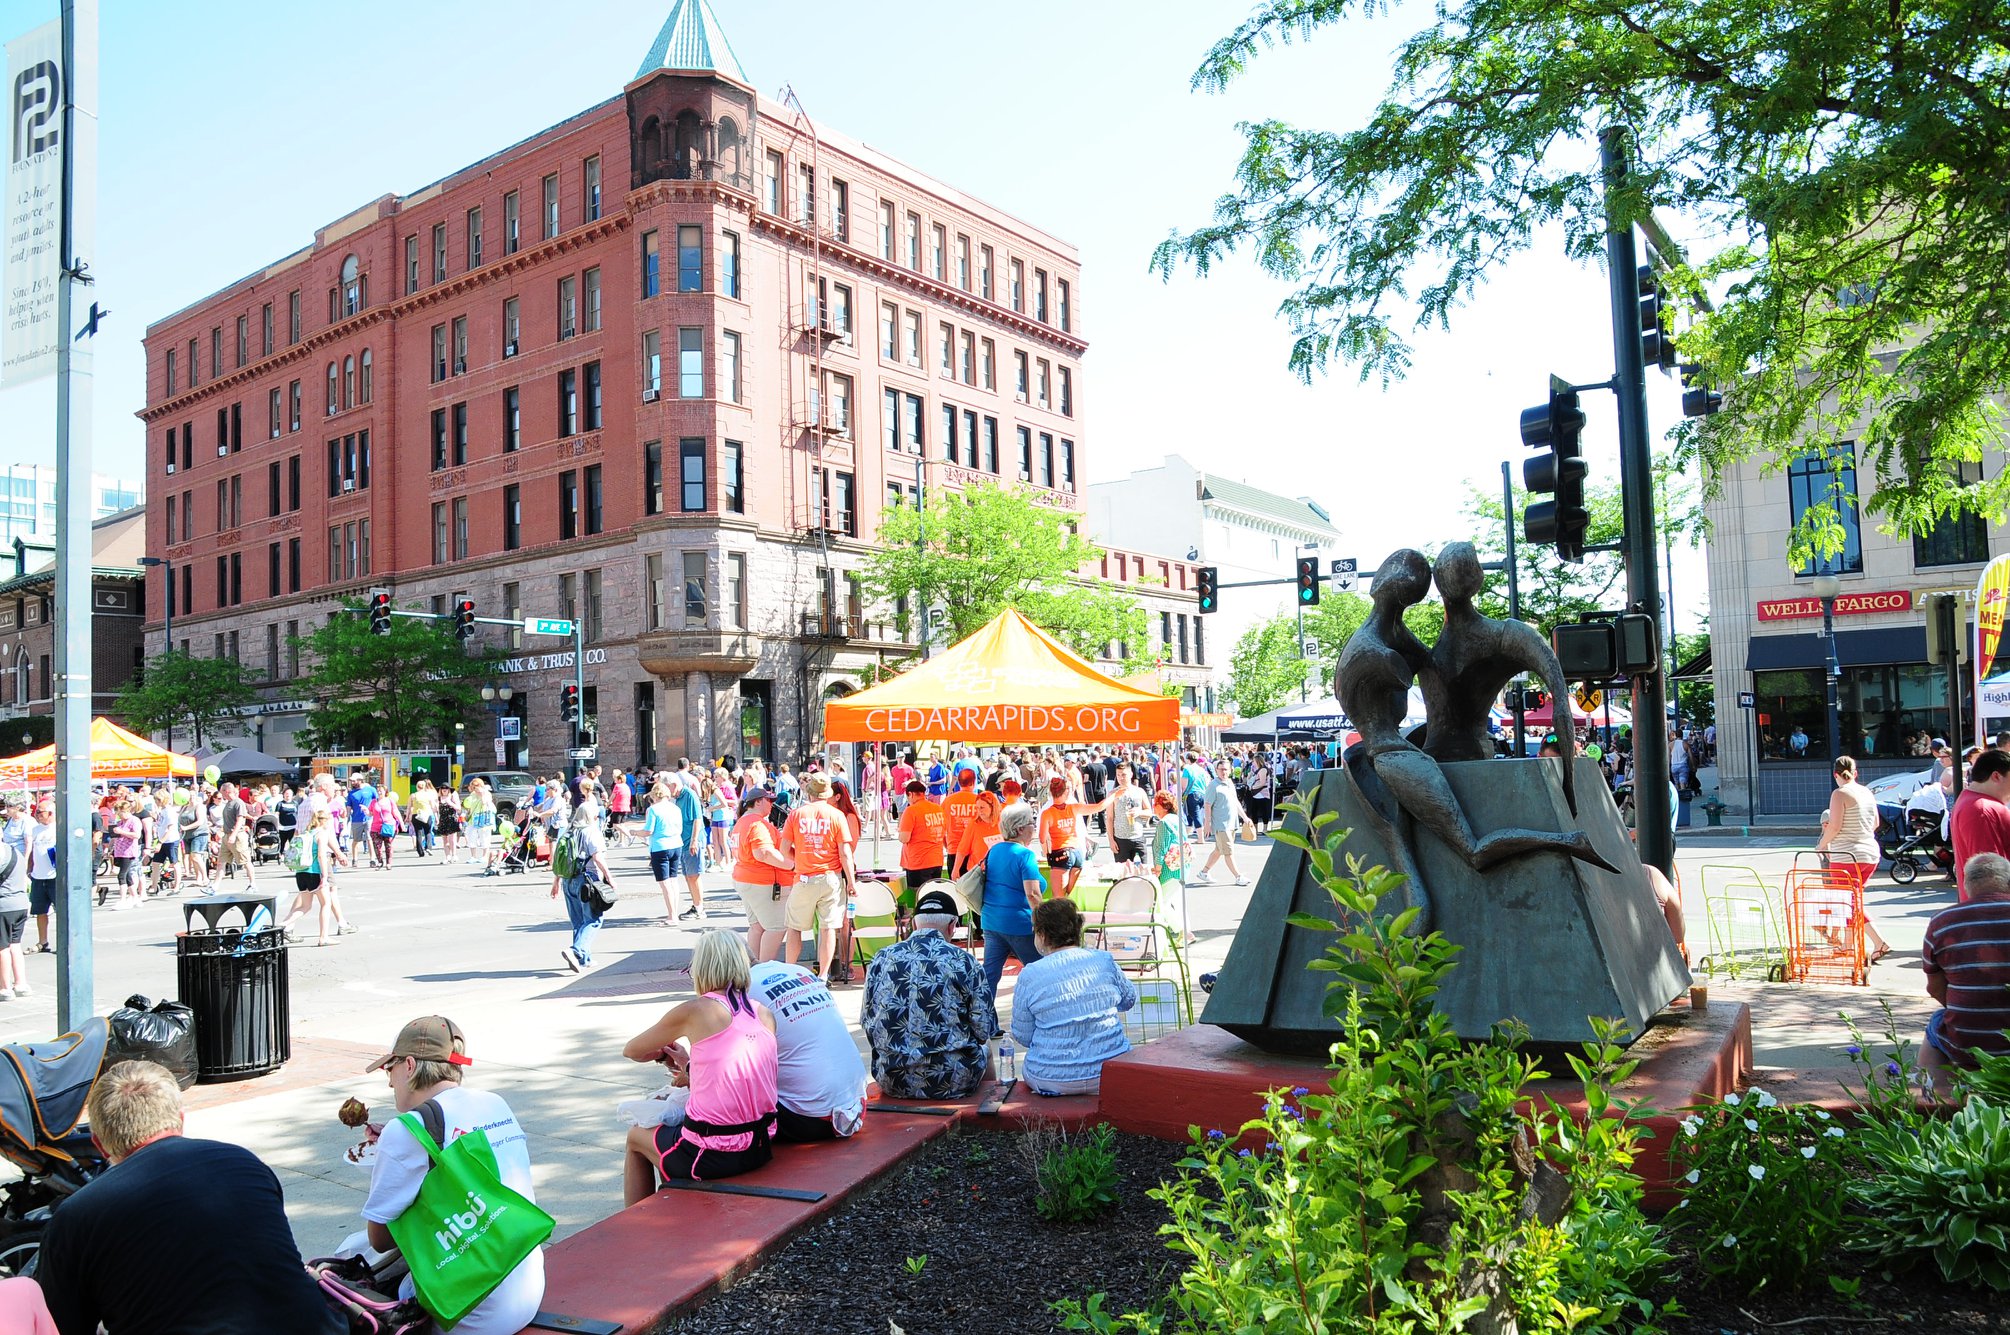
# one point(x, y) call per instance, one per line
point(1127, 927)
point(873, 920)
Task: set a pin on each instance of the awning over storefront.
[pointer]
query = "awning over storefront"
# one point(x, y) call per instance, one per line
point(1854, 648)
point(1009, 682)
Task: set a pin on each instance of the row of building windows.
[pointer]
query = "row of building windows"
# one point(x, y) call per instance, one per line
point(970, 266)
point(433, 258)
point(1828, 478)
point(965, 357)
point(971, 440)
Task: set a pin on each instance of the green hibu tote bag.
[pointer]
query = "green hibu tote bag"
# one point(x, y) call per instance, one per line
point(465, 1232)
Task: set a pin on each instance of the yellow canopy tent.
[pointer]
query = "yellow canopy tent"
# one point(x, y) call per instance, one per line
point(115, 754)
point(1008, 682)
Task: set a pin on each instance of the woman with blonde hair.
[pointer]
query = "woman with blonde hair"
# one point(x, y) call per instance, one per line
point(721, 1043)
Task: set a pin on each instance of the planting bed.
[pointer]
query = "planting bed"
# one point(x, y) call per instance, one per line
point(965, 1202)
point(1917, 1302)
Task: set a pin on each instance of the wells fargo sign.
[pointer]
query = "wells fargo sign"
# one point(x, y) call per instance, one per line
point(1848, 604)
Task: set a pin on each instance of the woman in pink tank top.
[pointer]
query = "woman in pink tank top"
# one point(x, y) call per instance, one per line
point(730, 1068)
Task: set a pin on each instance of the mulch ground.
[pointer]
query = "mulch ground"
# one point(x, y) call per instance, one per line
point(965, 1203)
point(1915, 1302)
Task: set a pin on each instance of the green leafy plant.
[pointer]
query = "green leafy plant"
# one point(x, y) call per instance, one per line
point(1939, 1191)
point(1765, 1181)
point(1402, 1201)
point(916, 1264)
point(1077, 1178)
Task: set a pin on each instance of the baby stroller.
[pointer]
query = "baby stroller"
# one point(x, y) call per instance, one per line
point(523, 845)
point(42, 1091)
point(267, 843)
point(1922, 845)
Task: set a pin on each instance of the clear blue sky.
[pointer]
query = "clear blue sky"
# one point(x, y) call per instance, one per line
point(230, 130)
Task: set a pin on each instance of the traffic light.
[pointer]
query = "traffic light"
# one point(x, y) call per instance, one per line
point(568, 704)
point(1556, 426)
point(1209, 598)
point(380, 614)
point(464, 619)
point(1308, 580)
point(1698, 399)
point(1657, 340)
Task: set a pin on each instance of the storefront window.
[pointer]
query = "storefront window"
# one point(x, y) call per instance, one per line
point(1888, 712)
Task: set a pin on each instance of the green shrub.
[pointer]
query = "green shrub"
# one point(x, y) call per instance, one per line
point(1347, 1223)
point(1939, 1190)
point(1077, 1179)
point(1765, 1188)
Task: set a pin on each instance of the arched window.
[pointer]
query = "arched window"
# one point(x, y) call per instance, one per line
point(333, 390)
point(729, 149)
point(363, 392)
point(348, 382)
point(352, 286)
point(21, 682)
point(688, 150)
point(649, 145)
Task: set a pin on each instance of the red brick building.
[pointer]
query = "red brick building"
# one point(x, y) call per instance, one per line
point(28, 630)
point(656, 368)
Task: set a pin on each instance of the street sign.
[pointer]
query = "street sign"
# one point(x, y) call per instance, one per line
point(1344, 572)
point(500, 744)
point(1308, 648)
point(509, 729)
point(546, 626)
point(1747, 700)
point(579, 753)
point(1589, 699)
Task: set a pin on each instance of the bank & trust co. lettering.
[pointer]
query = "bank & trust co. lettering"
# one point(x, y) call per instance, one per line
point(1028, 721)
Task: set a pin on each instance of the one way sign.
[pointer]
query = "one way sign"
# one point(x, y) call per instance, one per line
point(1343, 574)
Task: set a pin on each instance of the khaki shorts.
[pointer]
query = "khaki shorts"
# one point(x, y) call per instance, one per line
point(765, 908)
point(816, 896)
point(1224, 843)
point(233, 853)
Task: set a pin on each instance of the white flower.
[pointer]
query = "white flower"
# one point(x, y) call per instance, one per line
point(1730, 1240)
point(1758, 1171)
point(1764, 1100)
point(1751, 1125)
point(1822, 1115)
point(1835, 1132)
point(1691, 1125)
point(1695, 1175)
point(1731, 1100)
point(1684, 1201)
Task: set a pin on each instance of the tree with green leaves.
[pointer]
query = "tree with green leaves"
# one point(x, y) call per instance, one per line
point(1265, 670)
point(402, 690)
point(974, 553)
point(1849, 161)
point(184, 693)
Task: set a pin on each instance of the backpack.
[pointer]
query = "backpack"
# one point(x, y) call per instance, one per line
point(12, 863)
point(564, 856)
point(300, 855)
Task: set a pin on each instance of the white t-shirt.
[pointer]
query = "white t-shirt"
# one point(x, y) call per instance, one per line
point(401, 1166)
point(820, 1071)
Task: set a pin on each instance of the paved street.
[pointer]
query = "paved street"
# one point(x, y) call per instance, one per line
point(438, 938)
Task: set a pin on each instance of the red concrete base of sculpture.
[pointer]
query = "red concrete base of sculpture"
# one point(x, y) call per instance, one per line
point(1206, 1077)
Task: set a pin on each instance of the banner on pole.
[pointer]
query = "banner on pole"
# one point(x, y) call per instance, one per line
point(1992, 600)
point(29, 335)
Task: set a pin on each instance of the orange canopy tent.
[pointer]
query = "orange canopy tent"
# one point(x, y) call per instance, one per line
point(1009, 682)
point(115, 754)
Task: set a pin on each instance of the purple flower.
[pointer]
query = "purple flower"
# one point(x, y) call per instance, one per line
point(1300, 1092)
point(1892, 1069)
point(1242, 1154)
point(1270, 1147)
point(1296, 1113)
point(1854, 1050)
point(1215, 1134)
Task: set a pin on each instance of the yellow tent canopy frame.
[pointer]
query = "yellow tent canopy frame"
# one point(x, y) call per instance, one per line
point(1008, 682)
point(115, 754)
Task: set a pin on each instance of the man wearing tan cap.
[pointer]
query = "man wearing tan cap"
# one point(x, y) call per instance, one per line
point(425, 1066)
point(818, 837)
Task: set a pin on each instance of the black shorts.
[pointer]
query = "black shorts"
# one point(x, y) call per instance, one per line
point(920, 876)
point(41, 895)
point(12, 924)
point(799, 1128)
point(167, 853)
point(307, 881)
point(1127, 850)
point(677, 1158)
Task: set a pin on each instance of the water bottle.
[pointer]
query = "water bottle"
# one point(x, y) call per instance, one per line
point(1008, 1063)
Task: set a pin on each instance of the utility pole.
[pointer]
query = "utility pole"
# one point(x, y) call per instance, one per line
point(921, 553)
point(1655, 823)
point(75, 992)
point(1514, 599)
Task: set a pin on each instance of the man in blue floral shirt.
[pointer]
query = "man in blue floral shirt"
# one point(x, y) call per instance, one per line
point(927, 1013)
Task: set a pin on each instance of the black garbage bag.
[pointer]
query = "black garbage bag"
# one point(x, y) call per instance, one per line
point(162, 1032)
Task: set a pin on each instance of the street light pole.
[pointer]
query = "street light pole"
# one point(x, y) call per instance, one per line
point(1826, 587)
point(167, 617)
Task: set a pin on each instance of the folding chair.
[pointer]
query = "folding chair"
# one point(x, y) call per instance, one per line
point(1127, 925)
point(874, 920)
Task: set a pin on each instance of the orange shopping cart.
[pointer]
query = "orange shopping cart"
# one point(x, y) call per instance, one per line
point(1825, 920)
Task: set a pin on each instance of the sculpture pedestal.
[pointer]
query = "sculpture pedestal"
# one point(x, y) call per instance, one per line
point(1547, 939)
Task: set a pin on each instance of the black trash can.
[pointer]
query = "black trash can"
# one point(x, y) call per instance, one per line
point(236, 984)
